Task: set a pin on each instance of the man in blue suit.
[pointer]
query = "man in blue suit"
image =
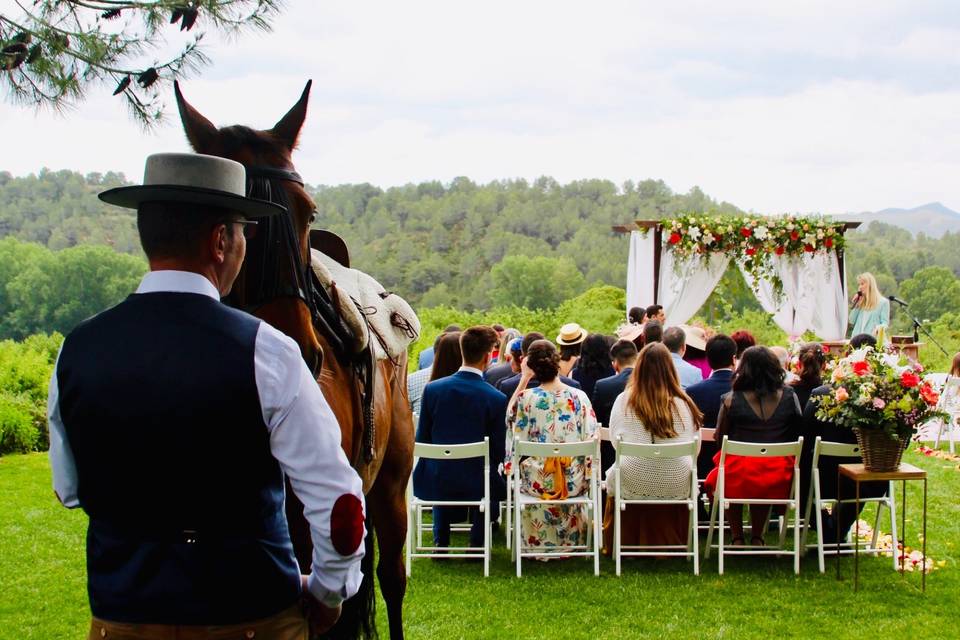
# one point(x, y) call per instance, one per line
point(623, 354)
point(425, 359)
point(675, 340)
point(459, 409)
point(509, 385)
point(708, 395)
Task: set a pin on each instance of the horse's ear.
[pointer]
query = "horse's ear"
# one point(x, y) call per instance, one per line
point(200, 132)
point(288, 128)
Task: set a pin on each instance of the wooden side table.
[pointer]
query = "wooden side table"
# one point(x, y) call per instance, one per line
point(857, 473)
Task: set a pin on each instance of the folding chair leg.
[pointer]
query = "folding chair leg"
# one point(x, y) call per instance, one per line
point(616, 532)
point(819, 534)
point(695, 538)
point(723, 519)
point(893, 523)
point(517, 526)
point(796, 538)
point(486, 539)
point(713, 520)
point(596, 536)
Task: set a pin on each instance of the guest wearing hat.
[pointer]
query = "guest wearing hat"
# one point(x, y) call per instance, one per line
point(570, 342)
point(696, 351)
point(173, 422)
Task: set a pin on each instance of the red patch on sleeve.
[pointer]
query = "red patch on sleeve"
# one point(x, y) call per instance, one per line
point(346, 524)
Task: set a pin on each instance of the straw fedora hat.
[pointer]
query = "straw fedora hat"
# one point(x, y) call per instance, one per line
point(195, 179)
point(695, 337)
point(571, 333)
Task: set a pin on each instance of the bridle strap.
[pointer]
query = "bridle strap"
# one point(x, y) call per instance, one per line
point(272, 173)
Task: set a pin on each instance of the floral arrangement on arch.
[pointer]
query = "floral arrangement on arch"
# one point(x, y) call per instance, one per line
point(751, 239)
point(874, 390)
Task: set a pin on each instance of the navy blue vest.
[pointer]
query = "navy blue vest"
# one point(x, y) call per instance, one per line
point(159, 400)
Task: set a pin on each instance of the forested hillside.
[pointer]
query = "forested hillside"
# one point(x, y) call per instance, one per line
point(474, 246)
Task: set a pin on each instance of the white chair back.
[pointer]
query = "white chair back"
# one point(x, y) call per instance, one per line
point(554, 449)
point(453, 451)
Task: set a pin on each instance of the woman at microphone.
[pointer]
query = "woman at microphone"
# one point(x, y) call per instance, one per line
point(870, 309)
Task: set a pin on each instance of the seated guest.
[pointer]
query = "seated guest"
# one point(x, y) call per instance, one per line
point(637, 315)
point(811, 363)
point(652, 332)
point(783, 357)
point(551, 412)
point(624, 356)
point(675, 340)
point(707, 395)
point(505, 367)
point(863, 340)
point(744, 340)
point(655, 312)
point(448, 357)
point(594, 363)
point(813, 427)
point(955, 366)
point(570, 341)
point(695, 354)
point(426, 356)
point(417, 380)
point(653, 409)
point(495, 356)
point(758, 409)
point(458, 409)
point(509, 385)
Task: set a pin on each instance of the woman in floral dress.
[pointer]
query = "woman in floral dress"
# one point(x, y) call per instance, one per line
point(551, 412)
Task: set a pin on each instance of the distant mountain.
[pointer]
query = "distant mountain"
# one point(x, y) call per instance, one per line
point(933, 219)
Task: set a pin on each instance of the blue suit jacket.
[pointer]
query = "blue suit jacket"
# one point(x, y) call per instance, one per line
point(455, 410)
point(606, 392)
point(425, 359)
point(509, 385)
point(707, 395)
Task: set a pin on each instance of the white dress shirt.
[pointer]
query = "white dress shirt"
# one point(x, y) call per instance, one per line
point(304, 439)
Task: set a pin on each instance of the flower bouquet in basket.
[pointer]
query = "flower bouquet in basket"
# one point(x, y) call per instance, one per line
point(883, 400)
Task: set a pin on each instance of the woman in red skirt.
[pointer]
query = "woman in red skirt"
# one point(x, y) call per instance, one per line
point(758, 409)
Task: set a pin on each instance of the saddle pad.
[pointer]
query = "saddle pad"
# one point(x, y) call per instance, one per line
point(356, 291)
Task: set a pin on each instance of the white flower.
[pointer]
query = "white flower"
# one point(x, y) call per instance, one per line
point(809, 239)
point(694, 233)
point(859, 355)
point(761, 233)
point(790, 226)
point(820, 234)
point(708, 239)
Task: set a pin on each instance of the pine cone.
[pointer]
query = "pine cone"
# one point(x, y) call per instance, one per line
point(122, 86)
point(112, 14)
point(148, 77)
point(13, 56)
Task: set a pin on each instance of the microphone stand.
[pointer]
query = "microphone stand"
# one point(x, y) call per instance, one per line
point(918, 326)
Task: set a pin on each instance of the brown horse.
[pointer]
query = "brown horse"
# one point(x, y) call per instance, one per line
point(271, 285)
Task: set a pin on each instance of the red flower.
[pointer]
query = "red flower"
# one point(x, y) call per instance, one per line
point(745, 232)
point(828, 243)
point(794, 235)
point(929, 396)
point(909, 379)
point(533, 541)
point(751, 251)
point(779, 251)
point(861, 368)
point(674, 238)
point(808, 248)
point(717, 238)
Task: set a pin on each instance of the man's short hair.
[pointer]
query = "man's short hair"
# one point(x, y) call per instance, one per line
point(674, 338)
point(623, 352)
point(499, 328)
point(783, 356)
point(529, 339)
point(653, 310)
point(652, 332)
point(178, 230)
point(721, 350)
point(451, 328)
point(862, 340)
point(476, 342)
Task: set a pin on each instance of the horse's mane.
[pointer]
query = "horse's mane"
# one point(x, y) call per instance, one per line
point(238, 139)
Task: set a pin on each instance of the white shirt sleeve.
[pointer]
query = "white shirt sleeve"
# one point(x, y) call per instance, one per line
point(61, 455)
point(305, 440)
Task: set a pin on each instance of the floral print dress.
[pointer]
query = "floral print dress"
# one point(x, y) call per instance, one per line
point(552, 416)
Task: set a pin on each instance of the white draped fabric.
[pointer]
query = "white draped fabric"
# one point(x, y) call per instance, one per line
point(640, 269)
point(685, 288)
point(812, 295)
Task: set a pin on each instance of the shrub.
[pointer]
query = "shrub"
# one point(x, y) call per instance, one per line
point(19, 432)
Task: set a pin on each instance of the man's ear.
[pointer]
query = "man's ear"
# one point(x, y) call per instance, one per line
point(217, 243)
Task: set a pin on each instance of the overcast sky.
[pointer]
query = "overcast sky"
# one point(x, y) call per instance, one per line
point(829, 107)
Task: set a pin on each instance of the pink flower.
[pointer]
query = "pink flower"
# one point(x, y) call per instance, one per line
point(878, 403)
point(841, 394)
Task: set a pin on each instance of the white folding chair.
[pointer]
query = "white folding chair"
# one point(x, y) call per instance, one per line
point(657, 452)
point(949, 399)
point(816, 501)
point(603, 433)
point(590, 500)
point(417, 507)
point(706, 435)
point(721, 502)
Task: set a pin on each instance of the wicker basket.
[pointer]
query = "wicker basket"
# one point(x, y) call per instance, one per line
point(880, 451)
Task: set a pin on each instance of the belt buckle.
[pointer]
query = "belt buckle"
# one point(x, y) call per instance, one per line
point(189, 536)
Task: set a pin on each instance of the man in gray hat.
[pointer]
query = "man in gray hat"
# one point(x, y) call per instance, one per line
point(173, 421)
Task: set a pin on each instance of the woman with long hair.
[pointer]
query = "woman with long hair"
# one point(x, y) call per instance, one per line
point(811, 363)
point(552, 412)
point(758, 409)
point(447, 358)
point(870, 309)
point(955, 366)
point(594, 363)
point(653, 409)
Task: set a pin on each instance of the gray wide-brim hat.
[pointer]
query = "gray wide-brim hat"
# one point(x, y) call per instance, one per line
point(193, 178)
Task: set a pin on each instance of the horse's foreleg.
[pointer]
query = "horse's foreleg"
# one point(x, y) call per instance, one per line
point(388, 505)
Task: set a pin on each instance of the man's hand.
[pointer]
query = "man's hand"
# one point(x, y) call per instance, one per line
point(319, 616)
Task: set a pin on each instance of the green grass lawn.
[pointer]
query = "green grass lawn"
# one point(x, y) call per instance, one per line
point(43, 595)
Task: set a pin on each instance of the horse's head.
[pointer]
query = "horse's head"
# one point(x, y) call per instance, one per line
point(272, 283)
